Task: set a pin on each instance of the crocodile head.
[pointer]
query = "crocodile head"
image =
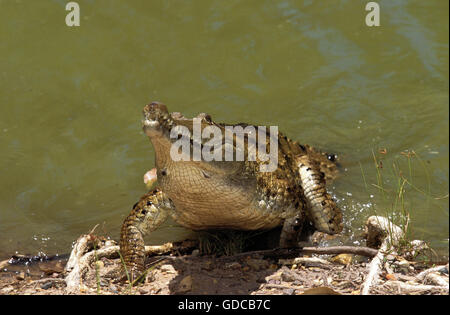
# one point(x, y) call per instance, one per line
point(166, 130)
point(157, 121)
point(195, 186)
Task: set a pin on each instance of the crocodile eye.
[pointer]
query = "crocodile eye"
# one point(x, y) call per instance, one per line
point(208, 118)
point(149, 203)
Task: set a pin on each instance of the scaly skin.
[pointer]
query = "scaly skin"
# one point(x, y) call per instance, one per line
point(147, 214)
point(229, 195)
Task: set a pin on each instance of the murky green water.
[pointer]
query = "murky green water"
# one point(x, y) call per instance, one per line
point(72, 152)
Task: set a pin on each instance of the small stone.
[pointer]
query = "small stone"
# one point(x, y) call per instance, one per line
point(403, 263)
point(46, 285)
point(257, 264)
point(168, 269)
point(288, 291)
point(390, 257)
point(343, 259)
point(113, 288)
point(20, 276)
point(288, 276)
point(195, 253)
point(403, 266)
point(143, 291)
point(185, 285)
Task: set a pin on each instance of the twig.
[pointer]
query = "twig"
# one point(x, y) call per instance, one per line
point(421, 276)
point(81, 258)
point(281, 286)
point(413, 288)
point(334, 250)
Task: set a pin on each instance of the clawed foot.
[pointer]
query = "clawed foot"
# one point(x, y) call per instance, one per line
point(129, 275)
point(134, 277)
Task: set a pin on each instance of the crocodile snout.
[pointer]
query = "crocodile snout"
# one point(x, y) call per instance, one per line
point(156, 116)
point(155, 107)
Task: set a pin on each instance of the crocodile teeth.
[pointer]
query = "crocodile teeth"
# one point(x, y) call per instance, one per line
point(150, 123)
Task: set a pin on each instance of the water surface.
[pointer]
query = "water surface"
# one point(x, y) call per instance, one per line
point(72, 152)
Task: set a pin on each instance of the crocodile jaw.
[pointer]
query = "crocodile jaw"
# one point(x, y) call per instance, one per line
point(157, 121)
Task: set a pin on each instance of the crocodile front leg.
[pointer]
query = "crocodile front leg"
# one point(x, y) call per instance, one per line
point(323, 211)
point(147, 215)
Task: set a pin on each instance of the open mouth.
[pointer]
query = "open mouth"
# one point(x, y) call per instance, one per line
point(150, 123)
point(155, 116)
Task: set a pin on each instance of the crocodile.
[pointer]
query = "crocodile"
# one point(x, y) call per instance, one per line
point(215, 194)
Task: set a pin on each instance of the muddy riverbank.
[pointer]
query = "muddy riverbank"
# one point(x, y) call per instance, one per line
point(179, 268)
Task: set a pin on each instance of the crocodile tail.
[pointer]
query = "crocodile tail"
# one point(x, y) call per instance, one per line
point(322, 209)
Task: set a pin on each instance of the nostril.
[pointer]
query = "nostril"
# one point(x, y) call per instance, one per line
point(332, 157)
point(157, 106)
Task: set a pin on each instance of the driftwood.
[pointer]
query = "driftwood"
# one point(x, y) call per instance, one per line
point(381, 232)
point(83, 256)
point(336, 250)
point(421, 276)
point(432, 276)
point(379, 228)
point(404, 288)
point(332, 250)
point(80, 259)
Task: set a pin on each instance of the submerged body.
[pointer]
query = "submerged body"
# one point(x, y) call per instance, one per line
point(200, 194)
